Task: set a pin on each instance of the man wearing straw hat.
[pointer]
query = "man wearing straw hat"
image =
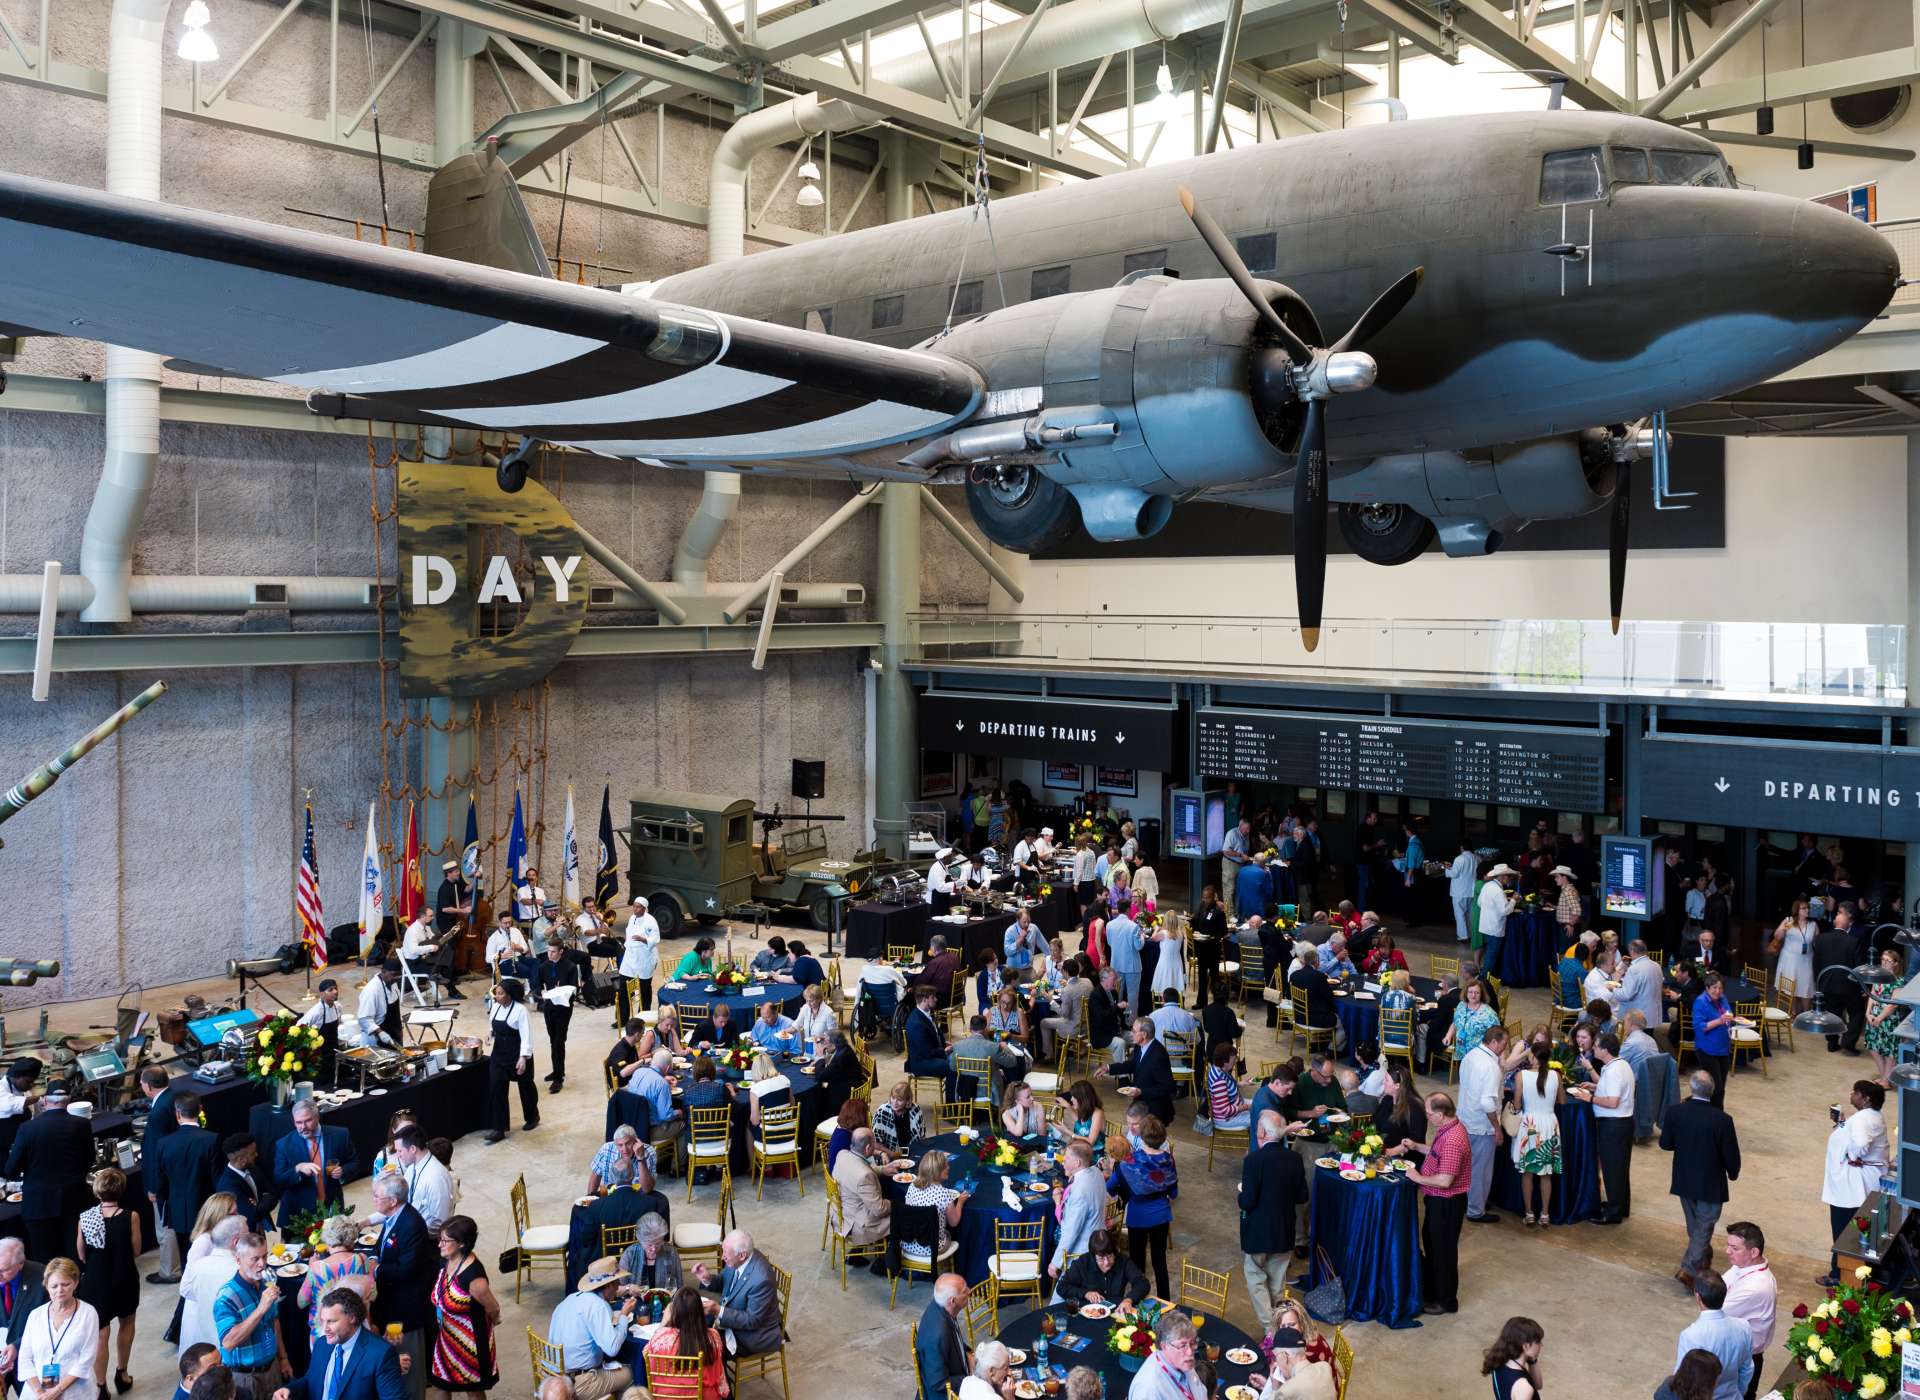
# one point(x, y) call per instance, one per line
point(1496, 902)
point(589, 1332)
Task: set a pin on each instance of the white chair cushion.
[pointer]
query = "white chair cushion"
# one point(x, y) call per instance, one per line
point(710, 1151)
point(1743, 1036)
point(778, 1149)
point(544, 1237)
point(1774, 1013)
point(825, 1128)
point(1043, 1083)
point(1229, 968)
point(699, 1234)
point(1014, 1268)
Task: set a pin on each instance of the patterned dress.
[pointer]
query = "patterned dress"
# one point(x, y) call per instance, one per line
point(463, 1356)
point(1880, 1036)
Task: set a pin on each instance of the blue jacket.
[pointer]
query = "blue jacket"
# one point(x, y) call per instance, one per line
point(298, 1190)
point(923, 1045)
point(184, 1169)
point(1252, 891)
point(248, 1197)
point(371, 1372)
point(939, 1352)
point(1719, 1040)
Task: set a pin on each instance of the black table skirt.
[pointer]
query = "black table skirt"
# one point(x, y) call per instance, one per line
point(450, 1105)
point(871, 927)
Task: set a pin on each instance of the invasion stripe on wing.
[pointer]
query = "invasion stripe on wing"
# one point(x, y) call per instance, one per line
point(783, 409)
point(507, 349)
point(870, 425)
point(702, 390)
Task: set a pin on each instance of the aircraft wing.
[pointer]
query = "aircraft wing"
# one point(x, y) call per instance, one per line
point(425, 339)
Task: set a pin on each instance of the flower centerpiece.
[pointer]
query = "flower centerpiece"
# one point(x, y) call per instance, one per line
point(1358, 1145)
point(305, 1227)
point(281, 1050)
point(1130, 1334)
point(730, 975)
point(995, 1152)
point(1851, 1340)
point(737, 1056)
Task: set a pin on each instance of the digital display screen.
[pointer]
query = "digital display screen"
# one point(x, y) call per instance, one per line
point(1627, 877)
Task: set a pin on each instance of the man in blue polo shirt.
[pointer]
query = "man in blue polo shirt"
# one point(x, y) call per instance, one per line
point(246, 1321)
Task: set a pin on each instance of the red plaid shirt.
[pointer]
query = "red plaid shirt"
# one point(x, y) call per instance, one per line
point(1450, 1153)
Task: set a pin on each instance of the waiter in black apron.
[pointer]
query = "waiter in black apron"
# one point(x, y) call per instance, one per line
point(324, 1015)
point(556, 969)
point(510, 1060)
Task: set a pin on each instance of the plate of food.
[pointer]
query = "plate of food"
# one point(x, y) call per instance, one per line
point(1400, 1164)
point(1027, 1390)
point(1338, 1118)
point(1094, 1312)
point(1016, 1357)
point(1038, 1188)
point(291, 1270)
point(1242, 1392)
point(1243, 1356)
point(1129, 1091)
point(585, 1200)
point(1352, 1174)
point(369, 1238)
point(1326, 1161)
point(904, 1178)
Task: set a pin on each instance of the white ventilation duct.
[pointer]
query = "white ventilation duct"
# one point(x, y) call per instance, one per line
point(199, 593)
point(134, 57)
point(719, 503)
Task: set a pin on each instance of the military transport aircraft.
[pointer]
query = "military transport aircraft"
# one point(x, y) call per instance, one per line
point(1495, 302)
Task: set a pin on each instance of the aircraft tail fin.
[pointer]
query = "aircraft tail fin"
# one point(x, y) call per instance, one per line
point(475, 213)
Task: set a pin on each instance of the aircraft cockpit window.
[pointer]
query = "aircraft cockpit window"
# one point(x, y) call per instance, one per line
point(888, 311)
point(1571, 177)
point(684, 339)
point(1629, 165)
point(1704, 169)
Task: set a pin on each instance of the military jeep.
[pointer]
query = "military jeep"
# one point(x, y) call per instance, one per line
point(793, 872)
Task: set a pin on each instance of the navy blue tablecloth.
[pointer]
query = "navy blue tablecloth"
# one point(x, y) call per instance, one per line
point(1371, 1232)
point(741, 1009)
point(974, 1234)
point(1360, 1016)
point(1527, 953)
point(1576, 1191)
point(1024, 1333)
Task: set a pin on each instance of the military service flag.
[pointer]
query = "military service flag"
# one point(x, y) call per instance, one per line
point(606, 878)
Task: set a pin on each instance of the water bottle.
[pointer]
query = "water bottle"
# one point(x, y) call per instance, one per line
point(1040, 1350)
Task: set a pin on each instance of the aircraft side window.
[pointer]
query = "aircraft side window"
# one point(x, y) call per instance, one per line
point(1703, 168)
point(1051, 282)
point(1257, 251)
point(1571, 177)
point(1152, 261)
point(888, 311)
point(966, 301)
point(1629, 165)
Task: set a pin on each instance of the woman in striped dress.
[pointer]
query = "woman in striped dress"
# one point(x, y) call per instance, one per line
point(1225, 1106)
point(463, 1359)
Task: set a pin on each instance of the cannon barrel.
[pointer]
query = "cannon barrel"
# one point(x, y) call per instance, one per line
point(47, 774)
point(24, 972)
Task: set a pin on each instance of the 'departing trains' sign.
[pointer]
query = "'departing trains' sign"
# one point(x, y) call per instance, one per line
point(1832, 789)
point(1070, 731)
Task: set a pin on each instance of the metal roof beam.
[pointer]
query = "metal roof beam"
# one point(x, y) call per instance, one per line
point(1419, 29)
point(818, 29)
point(1814, 83)
point(1825, 147)
point(1486, 27)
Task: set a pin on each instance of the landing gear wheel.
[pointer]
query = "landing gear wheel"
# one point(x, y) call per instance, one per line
point(666, 912)
point(821, 912)
point(1385, 534)
point(511, 474)
point(1019, 509)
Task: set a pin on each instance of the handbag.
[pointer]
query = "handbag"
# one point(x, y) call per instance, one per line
point(1327, 1302)
point(1510, 1120)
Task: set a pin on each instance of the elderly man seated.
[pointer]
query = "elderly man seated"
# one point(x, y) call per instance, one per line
point(1294, 1377)
point(866, 1214)
point(992, 1377)
point(616, 1161)
point(589, 1332)
point(651, 1083)
point(1102, 1275)
point(773, 1031)
point(747, 1312)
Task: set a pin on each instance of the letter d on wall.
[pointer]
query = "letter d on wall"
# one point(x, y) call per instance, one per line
point(443, 648)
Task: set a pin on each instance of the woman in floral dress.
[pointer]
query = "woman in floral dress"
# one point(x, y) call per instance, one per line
point(463, 1359)
point(1884, 1016)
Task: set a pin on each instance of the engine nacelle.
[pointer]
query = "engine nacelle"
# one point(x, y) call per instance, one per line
point(1129, 397)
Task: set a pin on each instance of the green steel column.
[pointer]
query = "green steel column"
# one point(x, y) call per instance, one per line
point(446, 752)
point(453, 53)
point(896, 749)
point(1912, 725)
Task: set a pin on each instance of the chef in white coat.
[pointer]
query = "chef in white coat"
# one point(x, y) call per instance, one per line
point(939, 892)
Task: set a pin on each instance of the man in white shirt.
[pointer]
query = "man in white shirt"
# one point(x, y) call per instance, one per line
point(1460, 877)
point(1479, 1113)
point(1233, 855)
point(1170, 1015)
point(1043, 845)
point(1640, 988)
point(423, 952)
point(1612, 1100)
point(203, 1279)
point(379, 1007)
point(939, 891)
point(1606, 969)
point(324, 1012)
point(1752, 1290)
point(1496, 902)
point(639, 957)
point(506, 942)
point(430, 1187)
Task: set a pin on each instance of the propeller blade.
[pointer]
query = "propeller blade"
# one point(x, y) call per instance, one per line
point(1229, 256)
point(1310, 522)
point(1386, 306)
point(1617, 541)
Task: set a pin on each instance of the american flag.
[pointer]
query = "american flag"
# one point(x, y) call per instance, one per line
point(306, 899)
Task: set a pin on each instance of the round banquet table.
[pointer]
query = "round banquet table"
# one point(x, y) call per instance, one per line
point(1360, 1015)
point(1576, 1191)
point(1062, 1357)
point(1370, 1231)
point(742, 1009)
point(1528, 952)
point(974, 1234)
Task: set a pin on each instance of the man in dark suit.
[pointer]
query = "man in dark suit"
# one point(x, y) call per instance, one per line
point(52, 1159)
point(349, 1362)
point(748, 1309)
point(184, 1169)
point(154, 1083)
point(407, 1260)
point(21, 1291)
point(240, 1178)
point(939, 1350)
point(1706, 1156)
point(1148, 1070)
point(1318, 989)
point(551, 972)
point(311, 1163)
point(1836, 952)
point(718, 1029)
point(926, 1046)
point(1273, 1186)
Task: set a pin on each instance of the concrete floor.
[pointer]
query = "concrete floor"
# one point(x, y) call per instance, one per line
point(1606, 1297)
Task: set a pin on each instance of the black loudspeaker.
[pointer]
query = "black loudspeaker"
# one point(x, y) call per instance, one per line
point(810, 778)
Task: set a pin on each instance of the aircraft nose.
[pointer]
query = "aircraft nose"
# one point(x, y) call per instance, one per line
point(1841, 265)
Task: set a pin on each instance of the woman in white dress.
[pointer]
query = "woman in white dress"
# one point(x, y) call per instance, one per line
point(59, 1334)
point(1536, 1147)
point(1171, 969)
point(1792, 949)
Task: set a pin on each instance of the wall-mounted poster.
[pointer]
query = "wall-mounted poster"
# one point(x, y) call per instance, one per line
point(1121, 782)
point(1068, 776)
point(936, 774)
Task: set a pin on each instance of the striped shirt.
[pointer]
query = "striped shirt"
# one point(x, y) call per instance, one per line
point(1223, 1095)
point(232, 1305)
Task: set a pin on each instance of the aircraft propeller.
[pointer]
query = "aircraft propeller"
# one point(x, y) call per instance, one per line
point(1295, 370)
